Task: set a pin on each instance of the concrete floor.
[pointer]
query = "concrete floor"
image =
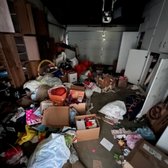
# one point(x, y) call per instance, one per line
point(89, 151)
point(92, 151)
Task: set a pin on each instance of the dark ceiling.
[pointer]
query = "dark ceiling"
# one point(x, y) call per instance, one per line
point(89, 12)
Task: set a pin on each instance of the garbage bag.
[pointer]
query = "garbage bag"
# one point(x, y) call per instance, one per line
point(50, 153)
point(114, 109)
point(146, 133)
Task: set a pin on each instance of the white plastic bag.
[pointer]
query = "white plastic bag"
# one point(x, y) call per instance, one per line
point(114, 109)
point(50, 153)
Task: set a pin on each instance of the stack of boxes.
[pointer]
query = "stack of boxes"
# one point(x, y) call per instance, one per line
point(58, 116)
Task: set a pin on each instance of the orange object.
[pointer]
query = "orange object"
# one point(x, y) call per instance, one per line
point(77, 92)
point(57, 95)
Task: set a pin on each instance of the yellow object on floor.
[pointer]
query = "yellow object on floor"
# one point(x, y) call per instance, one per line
point(26, 136)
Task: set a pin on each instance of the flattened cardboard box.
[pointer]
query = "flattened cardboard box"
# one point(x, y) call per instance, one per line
point(56, 116)
point(88, 134)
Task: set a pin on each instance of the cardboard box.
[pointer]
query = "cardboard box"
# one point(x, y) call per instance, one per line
point(45, 104)
point(72, 77)
point(80, 107)
point(56, 116)
point(147, 156)
point(87, 134)
point(77, 92)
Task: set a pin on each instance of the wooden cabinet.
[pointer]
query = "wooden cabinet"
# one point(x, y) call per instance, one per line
point(24, 16)
point(11, 60)
point(28, 53)
point(40, 21)
point(160, 32)
point(21, 48)
point(33, 56)
point(19, 52)
point(20, 57)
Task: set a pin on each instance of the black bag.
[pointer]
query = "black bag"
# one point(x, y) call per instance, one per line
point(134, 104)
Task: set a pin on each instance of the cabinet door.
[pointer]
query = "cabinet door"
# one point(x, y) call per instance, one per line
point(152, 14)
point(158, 89)
point(24, 16)
point(161, 29)
point(135, 65)
point(129, 41)
point(164, 45)
point(32, 48)
point(147, 39)
point(6, 24)
point(40, 22)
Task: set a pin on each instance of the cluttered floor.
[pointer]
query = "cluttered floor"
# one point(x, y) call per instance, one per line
point(91, 153)
point(96, 131)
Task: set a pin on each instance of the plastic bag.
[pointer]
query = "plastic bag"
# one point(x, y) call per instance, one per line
point(13, 156)
point(146, 133)
point(132, 139)
point(50, 153)
point(73, 157)
point(114, 109)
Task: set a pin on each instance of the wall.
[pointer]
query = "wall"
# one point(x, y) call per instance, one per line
point(56, 30)
point(98, 44)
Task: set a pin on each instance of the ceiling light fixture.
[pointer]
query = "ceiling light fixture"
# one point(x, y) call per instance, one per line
point(106, 17)
point(107, 14)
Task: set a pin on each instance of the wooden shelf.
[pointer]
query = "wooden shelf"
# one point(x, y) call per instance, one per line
point(11, 60)
point(22, 53)
point(20, 45)
point(13, 14)
point(2, 67)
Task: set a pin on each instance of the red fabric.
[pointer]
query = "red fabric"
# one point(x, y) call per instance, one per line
point(82, 66)
point(58, 91)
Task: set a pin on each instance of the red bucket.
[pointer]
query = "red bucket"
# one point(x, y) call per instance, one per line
point(57, 95)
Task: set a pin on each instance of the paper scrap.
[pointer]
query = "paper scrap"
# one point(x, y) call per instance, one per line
point(107, 144)
point(80, 125)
